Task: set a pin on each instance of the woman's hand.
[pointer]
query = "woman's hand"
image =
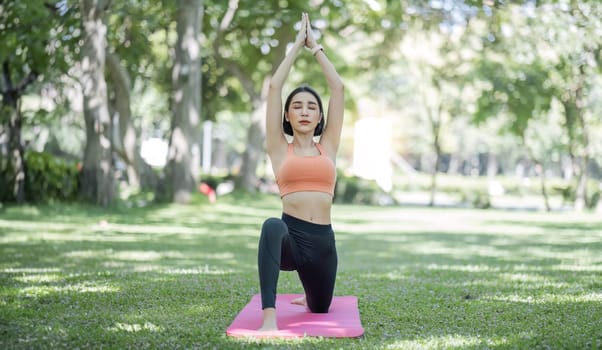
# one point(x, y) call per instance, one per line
point(310, 41)
point(302, 34)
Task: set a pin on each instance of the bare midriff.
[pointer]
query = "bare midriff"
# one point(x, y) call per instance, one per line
point(309, 206)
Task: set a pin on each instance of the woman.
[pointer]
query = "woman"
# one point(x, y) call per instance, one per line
point(303, 238)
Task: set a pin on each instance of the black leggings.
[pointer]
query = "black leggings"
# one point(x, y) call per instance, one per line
point(293, 244)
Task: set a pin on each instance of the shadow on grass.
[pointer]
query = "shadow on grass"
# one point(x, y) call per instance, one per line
point(176, 276)
point(236, 204)
point(121, 310)
point(588, 227)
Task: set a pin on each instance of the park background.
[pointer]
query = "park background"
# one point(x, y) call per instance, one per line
point(132, 147)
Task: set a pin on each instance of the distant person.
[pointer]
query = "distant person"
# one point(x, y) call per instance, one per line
point(305, 171)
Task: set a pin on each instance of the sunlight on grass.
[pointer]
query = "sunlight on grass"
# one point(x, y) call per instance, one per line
point(26, 231)
point(87, 253)
point(463, 341)
point(582, 268)
point(206, 270)
point(464, 268)
point(42, 278)
point(30, 269)
point(145, 255)
point(459, 251)
point(441, 226)
point(135, 327)
point(437, 342)
point(549, 298)
point(175, 276)
point(523, 277)
point(37, 291)
point(547, 253)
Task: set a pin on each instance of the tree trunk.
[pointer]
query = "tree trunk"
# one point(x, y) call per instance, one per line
point(184, 159)
point(139, 173)
point(434, 174)
point(16, 169)
point(492, 166)
point(97, 175)
point(544, 192)
point(541, 171)
point(454, 164)
point(254, 149)
point(575, 125)
point(16, 153)
point(582, 194)
point(125, 144)
point(256, 133)
point(435, 123)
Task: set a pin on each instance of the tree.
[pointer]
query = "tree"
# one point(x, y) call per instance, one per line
point(97, 174)
point(246, 59)
point(248, 39)
point(421, 57)
point(542, 62)
point(131, 59)
point(183, 166)
point(37, 38)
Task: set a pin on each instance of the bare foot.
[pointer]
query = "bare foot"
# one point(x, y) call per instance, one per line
point(269, 320)
point(299, 301)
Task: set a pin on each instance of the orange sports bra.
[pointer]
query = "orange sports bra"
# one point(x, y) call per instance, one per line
point(306, 173)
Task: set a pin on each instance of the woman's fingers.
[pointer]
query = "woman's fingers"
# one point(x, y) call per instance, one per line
point(302, 34)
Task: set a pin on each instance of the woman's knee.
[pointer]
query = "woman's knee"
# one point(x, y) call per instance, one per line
point(273, 225)
point(273, 229)
point(319, 306)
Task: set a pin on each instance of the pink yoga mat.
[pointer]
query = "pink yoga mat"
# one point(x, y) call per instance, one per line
point(294, 321)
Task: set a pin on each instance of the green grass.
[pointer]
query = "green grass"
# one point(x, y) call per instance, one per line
point(73, 276)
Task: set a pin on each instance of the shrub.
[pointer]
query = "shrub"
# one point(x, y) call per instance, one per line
point(355, 190)
point(49, 177)
point(479, 199)
point(593, 192)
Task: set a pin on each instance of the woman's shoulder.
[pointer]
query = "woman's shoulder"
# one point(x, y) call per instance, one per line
point(326, 149)
point(278, 154)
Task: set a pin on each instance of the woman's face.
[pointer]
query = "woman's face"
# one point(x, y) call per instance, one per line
point(304, 113)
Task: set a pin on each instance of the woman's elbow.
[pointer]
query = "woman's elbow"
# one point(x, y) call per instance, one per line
point(275, 85)
point(338, 85)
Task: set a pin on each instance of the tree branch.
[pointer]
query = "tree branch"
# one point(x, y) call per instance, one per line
point(229, 15)
point(6, 76)
point(247, 83)
point(51, 7)
point(30, 78)
point(224, 24)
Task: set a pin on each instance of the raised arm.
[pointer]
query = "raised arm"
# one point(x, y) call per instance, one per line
point(275, 139)
point(331, 136)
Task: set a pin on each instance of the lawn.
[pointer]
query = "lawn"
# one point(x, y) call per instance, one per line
point(173, 276)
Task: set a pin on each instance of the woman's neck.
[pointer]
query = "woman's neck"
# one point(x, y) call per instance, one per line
point(303, 142)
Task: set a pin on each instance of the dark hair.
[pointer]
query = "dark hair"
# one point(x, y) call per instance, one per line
point(288, 129)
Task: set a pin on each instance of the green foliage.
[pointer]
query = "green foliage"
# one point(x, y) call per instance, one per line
point(355, 190)
point(216, 180)
point(134, 24)
point(518, 92)
point(50, 178)
point(239, 54)
point(593, 193)
point(37, 37)
point(478, 199)
point(6, 179)
point(527, 54)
